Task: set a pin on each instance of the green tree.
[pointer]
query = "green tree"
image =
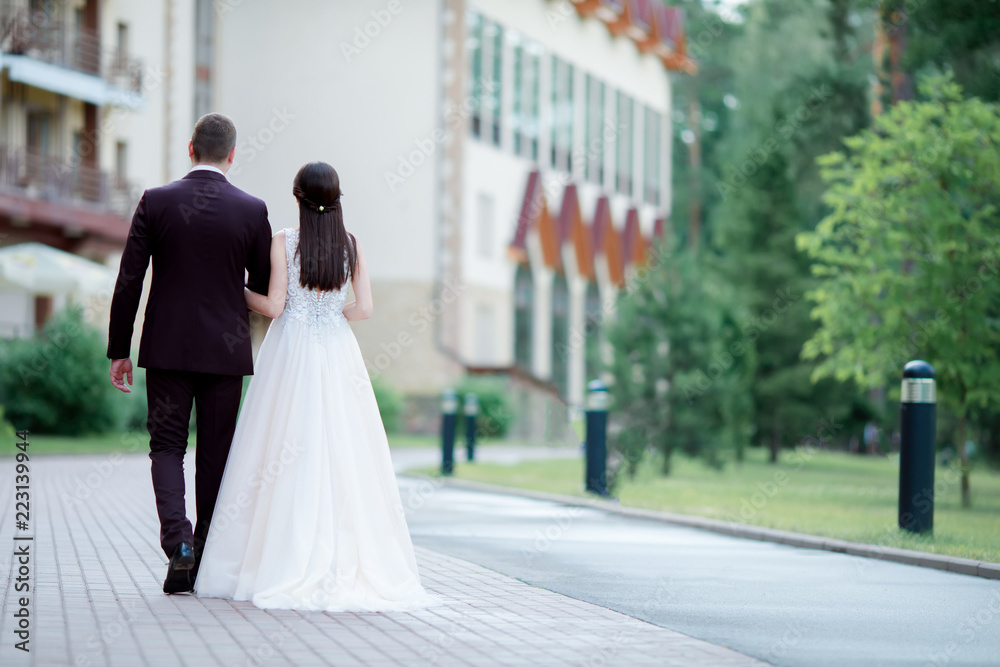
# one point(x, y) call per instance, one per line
point(680, 366)
point(960, 36)
point(908, 257)
point(702, 112)
point(801, 84)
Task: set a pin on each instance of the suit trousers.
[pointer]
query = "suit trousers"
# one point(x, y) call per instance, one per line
point(170, 395)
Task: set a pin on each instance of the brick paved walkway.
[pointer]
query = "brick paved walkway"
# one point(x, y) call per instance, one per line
point(97, 570)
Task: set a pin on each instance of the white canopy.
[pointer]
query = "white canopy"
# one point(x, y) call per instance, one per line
point(41, 269)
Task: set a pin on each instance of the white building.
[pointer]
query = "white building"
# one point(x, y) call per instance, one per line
point(504, 163)
point(97, 100)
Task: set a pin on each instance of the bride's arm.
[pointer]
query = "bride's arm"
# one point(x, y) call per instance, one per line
point(361, 307)
point(274, 303)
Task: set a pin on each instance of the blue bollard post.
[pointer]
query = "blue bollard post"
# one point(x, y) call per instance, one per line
point(449, 406)
point(471, 409)
point(597, 438)
point(918, 407)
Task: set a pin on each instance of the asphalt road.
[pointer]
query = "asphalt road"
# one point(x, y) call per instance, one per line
point(778, 603)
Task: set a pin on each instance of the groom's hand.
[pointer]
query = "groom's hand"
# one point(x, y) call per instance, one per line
point(121, 369)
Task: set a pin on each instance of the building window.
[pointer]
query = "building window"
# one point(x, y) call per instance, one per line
point(484, 226)
point(485, 45)
point(524, 118)
point(652, 148)
point(86, 45)
point(568, 124)
point(39, 132)
point(474, 43)
point(204, 57)
point(120, 63)
point(623, 164)
point(80, 145)
point(560, 334)
point(534, 85)
point(494, 33)
point(122, 46)
point(486, 328)
point(524, 297)
point(594, 126)
point(121, 165)
point(562, 114)
point(517, 91)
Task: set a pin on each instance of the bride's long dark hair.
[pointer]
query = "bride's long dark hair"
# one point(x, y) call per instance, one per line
point(324, 242)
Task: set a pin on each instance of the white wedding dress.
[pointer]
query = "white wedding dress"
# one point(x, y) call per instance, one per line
point(309, 515)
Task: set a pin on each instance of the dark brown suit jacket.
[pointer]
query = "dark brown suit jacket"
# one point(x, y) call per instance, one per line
point(202, 233)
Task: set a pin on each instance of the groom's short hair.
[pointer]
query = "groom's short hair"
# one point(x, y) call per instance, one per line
point(214, 136)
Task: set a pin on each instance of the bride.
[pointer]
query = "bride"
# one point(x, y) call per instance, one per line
point(309, 514)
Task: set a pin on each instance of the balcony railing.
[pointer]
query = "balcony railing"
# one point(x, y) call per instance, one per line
point(50, 178)
point(41, 36)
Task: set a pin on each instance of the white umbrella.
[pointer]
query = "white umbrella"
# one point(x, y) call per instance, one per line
point(41, 269)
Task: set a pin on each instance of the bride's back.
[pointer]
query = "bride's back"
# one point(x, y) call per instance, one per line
point(309, 305)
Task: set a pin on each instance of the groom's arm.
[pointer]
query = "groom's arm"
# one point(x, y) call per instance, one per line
point(259, 257)
point(128, 288)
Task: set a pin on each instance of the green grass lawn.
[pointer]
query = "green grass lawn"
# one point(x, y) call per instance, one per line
point(124, 442)
point(138, 442)
point(834, 495)
point(407, 440)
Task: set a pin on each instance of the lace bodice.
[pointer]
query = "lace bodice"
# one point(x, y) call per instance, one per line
point(319, 309)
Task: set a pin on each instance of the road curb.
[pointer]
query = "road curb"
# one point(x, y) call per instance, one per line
point(949, 563)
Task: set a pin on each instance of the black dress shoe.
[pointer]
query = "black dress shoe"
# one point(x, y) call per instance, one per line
point(179, 579)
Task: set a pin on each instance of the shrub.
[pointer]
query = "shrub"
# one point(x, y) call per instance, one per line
point(7, 435)
point(132, 408)
point(57, 382)
point(495, 414)
point(390, 405)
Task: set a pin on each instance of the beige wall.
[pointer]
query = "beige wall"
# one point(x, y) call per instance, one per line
point(296, 96)
point(398, 342)
point(487, 318)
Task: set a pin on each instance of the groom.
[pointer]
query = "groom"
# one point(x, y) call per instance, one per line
point(202, 233)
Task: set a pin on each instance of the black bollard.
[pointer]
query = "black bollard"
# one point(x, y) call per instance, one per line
point(918, 406)
point(597, 438)
point(471, 410)
point(449, 406)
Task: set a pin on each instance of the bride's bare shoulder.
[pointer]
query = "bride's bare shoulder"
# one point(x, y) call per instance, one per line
point(279, 242)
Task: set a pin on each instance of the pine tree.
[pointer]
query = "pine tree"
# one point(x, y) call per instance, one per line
point(800, 93)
